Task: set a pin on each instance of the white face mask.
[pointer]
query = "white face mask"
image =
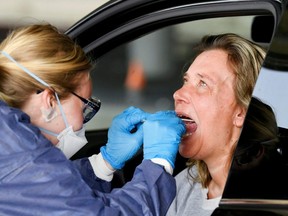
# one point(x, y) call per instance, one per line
point(71, 142)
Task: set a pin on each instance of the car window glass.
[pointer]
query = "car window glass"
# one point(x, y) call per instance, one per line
point(271, 86)
point(146, 72)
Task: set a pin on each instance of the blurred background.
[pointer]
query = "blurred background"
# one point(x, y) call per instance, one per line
point(61, 13)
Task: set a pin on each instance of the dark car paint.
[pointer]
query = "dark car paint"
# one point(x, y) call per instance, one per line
point(118, 22)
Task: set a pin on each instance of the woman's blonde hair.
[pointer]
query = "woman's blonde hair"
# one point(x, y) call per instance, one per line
point(46, 52)
point(245, 59)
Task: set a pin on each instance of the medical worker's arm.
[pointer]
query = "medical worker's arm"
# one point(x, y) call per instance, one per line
point(43, 182)
point(95, 183)
point(152, 187)
point(162, 135)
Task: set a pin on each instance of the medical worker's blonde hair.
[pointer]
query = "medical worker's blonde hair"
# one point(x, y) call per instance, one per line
point(46, 52)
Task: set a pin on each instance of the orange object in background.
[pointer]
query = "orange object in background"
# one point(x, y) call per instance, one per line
point(135, 79)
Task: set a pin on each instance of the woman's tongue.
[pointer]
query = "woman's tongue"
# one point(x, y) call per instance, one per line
point(190, 124)
point(191, 127)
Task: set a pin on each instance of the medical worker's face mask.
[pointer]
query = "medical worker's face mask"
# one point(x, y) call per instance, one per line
point(69, 141)
point(72, 141)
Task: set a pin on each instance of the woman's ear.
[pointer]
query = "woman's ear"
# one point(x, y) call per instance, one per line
point(240, 117)
point(48, 108)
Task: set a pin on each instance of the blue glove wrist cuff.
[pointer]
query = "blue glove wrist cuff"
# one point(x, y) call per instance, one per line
point(110, 160)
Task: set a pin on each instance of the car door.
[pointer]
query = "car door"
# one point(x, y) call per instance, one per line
point(140, 49)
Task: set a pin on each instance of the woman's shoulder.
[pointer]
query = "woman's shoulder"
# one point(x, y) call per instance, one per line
point(184, 178)
point(187, 172)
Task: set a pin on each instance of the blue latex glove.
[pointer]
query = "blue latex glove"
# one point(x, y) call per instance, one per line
point(162, 136)
point(123, 144)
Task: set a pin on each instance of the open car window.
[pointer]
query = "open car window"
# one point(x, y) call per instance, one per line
point(146, 71)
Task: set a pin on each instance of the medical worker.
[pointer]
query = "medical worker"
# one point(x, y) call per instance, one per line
point(45, 98)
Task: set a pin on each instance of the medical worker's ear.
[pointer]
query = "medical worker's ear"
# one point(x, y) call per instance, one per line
point(48, 108)
point(239, 117)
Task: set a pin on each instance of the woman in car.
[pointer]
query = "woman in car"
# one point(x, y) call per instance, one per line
point(213, 102)
point(44, 91)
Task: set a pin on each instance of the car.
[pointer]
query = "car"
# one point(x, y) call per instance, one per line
point(140, 49)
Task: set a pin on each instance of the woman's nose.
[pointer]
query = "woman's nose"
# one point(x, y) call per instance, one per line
point(181, 95)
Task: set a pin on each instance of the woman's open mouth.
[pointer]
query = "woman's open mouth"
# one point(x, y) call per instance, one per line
point(190, 124)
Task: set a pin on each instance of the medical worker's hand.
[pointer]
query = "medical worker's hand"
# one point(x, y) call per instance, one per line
point(162, 136)
point(123, 144)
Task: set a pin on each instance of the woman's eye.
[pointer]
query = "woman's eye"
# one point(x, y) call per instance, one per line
point(202, 83)
point(185, 80)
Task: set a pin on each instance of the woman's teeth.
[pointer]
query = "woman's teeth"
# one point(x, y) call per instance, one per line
point(187, 120)
point(186, 135)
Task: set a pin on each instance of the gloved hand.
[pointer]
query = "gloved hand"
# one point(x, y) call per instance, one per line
point(162, 134)
point(123, 144)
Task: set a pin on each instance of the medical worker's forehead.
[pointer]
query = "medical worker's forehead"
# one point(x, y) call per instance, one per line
point(85, 85)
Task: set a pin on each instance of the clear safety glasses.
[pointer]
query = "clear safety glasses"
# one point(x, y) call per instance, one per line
point(92, 106)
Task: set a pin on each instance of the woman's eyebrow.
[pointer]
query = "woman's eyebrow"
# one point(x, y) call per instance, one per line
point(185, 75)
point(205, 76)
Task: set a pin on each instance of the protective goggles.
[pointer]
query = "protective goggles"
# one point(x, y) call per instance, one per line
point(91, 107)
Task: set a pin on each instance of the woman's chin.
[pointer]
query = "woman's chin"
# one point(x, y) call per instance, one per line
point(186, 139)
point(184, 149)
